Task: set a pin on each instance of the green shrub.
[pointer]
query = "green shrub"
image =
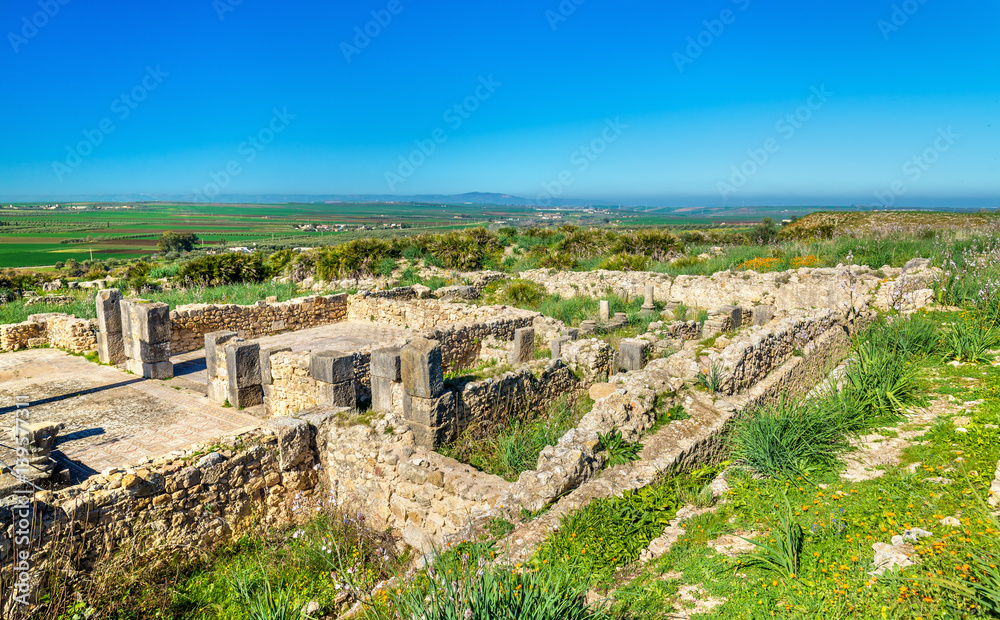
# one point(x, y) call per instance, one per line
point(881, 382)
point(619, 451)
point(228, 268)
point(625, 262)
point(386, 266)
point(788, 440)
point(520, 293)
point(465, 583)
point(969, 338)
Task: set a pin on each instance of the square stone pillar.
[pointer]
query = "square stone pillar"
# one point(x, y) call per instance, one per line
point(243, 374)
point(215, 365)
point(524, 346)
point(110, 343)
point(334, 371)
point(605, 311)
point(386, 375)
point(429, 412)
point(146, 335)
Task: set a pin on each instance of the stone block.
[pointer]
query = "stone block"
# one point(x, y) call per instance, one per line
point(343, 394)
point(242, 365)
point(214, 350)
point(430, 412)
point(573, 333)
point(382, 393)
point(109, 313)
point(762, 315)
point(605, 311)
point(587, 328)
point(632, 353)
point(111, 347)
point(218, 390)
point(155, 370)
point(733, 315)
point(151, 322)
point(430, 438)
point(524, 346)
point(331, 366)
point(386, 363)
point(557, 345)
point(152, 353)
point(420, 368)
point(265, 362)
point(243, 397)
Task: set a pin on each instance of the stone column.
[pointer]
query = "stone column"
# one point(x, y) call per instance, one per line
point(428, 410)
point(648, 306)
point(243, 374)
point(110, 343)
point(524, 346)
point(146, 335)
point(386, 377)
point(334, 371)
point(215, 360)
point(605, 311)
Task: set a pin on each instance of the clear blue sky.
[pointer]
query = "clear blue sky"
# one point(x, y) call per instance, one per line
point(671, 119)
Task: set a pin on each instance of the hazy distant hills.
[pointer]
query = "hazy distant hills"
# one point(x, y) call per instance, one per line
point(483, 198)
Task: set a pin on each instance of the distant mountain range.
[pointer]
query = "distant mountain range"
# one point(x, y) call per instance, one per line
point(483, 198)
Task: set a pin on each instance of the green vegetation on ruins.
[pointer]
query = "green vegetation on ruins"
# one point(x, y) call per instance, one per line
point(789, 525)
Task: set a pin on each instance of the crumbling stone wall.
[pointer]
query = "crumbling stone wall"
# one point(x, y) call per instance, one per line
point(401, 307)
point(529, 388)
point(57, 330)
point(183, 503)
point(801, 288)
point(190, 323)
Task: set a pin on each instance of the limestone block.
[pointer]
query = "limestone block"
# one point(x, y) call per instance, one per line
point(420, 368)
point(732, 315)
point(331, 366)
point(386, 363)
point(243, 397)
point(632, 353)
point(524, 346)
point(605, 311)
point(109, 314)
point(242, 365)
point(154, 370)
point(342, 394)
point(214, 350)
point(573, 333)
point(430, 412)
point(111, 347)
point(762, 315)
point(382, 393)
point(557, 345)
point(648, 305)
point(152, 353)
point(151, 322)
point(429, 438)
point(265, 362)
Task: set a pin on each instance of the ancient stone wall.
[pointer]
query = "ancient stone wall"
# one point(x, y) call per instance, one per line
point(191, 323)
point(801, 288)
point(400, 307)
point(60, 331)
point(184, 503)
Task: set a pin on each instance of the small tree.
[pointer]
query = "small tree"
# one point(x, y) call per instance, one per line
point(176, 242)
point(765, 231)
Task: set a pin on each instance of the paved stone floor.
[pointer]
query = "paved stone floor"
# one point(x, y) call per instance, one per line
point(111, 418)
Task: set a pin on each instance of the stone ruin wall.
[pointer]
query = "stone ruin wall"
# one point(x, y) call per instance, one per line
point(57, 330)
point(186, 503)
point(190, 323)
point(786, 290)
